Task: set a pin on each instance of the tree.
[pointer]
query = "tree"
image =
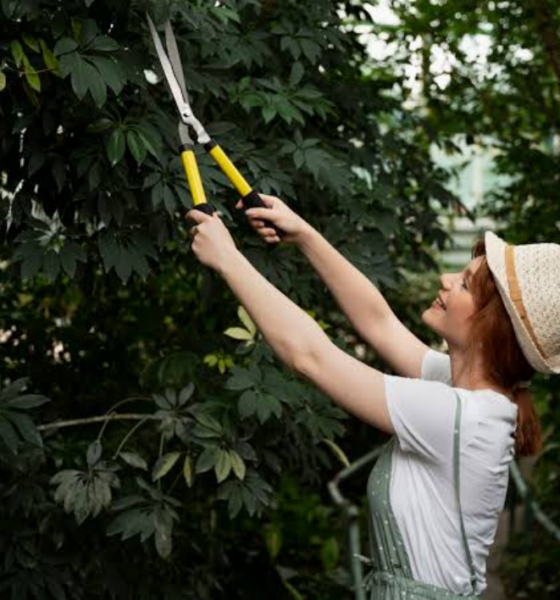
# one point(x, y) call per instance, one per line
point(88, 153)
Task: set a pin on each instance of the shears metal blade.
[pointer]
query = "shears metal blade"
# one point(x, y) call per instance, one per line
point(170, 61)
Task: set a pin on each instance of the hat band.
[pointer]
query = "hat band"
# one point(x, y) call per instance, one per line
point(517, 298)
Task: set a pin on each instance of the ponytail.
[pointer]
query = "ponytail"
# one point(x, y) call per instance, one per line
point(528, 440)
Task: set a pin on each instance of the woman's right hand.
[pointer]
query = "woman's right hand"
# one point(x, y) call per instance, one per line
point(278, 213)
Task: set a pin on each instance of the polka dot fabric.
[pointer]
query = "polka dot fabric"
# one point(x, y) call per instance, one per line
point(390, 577)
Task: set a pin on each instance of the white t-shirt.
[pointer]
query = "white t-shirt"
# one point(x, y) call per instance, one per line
point(422, 492)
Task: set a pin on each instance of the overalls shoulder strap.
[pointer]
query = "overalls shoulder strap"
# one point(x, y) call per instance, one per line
point(457, 480)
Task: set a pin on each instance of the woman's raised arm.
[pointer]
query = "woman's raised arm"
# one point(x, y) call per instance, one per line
point(359, 299)
point(293, 335)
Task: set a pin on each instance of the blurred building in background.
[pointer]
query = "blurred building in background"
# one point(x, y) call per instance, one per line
point(473, 182)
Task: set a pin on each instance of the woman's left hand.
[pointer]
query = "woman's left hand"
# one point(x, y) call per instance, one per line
point(212, 242)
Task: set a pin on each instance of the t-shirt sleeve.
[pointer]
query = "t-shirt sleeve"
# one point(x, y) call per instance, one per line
point(436, 366)
point(423, 416)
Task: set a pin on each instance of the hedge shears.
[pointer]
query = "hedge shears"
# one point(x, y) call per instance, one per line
point(173, 71)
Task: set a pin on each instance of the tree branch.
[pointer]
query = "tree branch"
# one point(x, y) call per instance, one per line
point(100, 419)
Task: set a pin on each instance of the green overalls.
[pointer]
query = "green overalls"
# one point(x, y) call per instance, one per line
point(391, 576)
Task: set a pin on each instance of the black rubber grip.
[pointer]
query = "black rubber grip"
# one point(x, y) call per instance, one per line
point(205, 208)
point(209, 145)
point(253, 200)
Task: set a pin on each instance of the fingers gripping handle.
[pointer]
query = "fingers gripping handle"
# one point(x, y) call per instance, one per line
point(251, 199)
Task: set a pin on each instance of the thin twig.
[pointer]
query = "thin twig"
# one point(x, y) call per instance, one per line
point(129, 434)
point(111, 411)
point(99, 419)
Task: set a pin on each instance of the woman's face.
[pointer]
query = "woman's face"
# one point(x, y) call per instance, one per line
point(449, 314)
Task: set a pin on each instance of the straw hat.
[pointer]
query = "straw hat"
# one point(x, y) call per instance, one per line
point(528, 279)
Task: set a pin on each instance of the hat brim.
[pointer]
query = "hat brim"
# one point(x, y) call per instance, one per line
point(495, 255)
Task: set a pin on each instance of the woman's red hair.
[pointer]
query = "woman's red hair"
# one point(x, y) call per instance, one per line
point(493, 335)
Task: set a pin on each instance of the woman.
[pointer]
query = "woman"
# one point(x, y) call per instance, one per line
point(436, 492)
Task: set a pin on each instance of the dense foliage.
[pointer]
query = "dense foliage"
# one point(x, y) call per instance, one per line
point(173, 460)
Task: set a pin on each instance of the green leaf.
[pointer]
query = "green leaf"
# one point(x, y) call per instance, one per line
point(226, 14)
point(311, 50)
point(124, 264)
point(131, 523)
point(80, 73)
point(330, 554)
point(31, 42)
point(128, 501)
point(290, 113)
point(109, 249)
point(267, 406)
point(171, 396)
point(238, 464)
point(50, 60)
point(96, 85)
point(26, 428)
point(51, 264)
point(103, 44)
point(136, 146)
point(134, 460)
point(169, 200)
point(28, 401)
point(110, 72)
point(100, 125)
point(207, 459)
point(185, 394)
point(69, 255)
point(116, 146)
point(67, 63)
point(65, 46)
point(67, 482)
point(14, 389)
point(163, 541)
point(241, 379)
point(246, 320)
point(223, 466)
point(269, 112)
point(17, 52)
point(252, 99)
point(296, 73)
point(273, 540)
point(209, 423)
point(31, 75)
point(94, 451)
point(237, 333)
point(232, 492)
point(188, 472)
point(2, 81)
point(151, 180)
point(68, 261)
point(164, 465)
point(149, 141)
point(247, 404)
point(8, 434)
point(30, 266)
point(288, 43)
point(88, 31)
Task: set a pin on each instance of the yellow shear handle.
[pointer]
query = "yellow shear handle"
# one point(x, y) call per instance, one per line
point(230, 171)
point(193, 177)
